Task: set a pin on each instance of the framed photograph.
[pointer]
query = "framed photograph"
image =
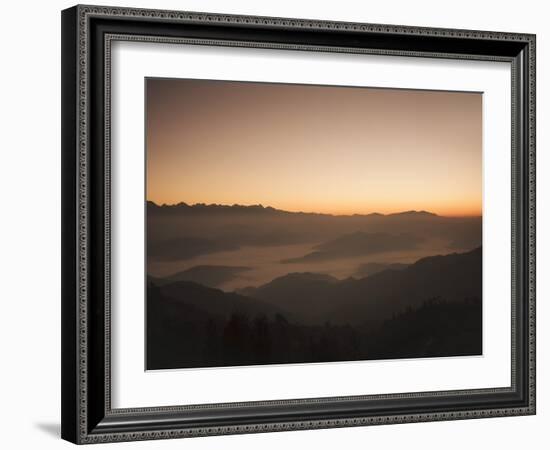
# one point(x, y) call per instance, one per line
point(277, 224)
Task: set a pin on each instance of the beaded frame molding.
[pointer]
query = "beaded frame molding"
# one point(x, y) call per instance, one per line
point(87, 35)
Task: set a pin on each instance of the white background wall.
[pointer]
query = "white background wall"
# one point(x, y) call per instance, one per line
point(30, 223)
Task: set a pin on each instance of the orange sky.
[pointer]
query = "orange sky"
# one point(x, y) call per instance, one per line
point(337, 150)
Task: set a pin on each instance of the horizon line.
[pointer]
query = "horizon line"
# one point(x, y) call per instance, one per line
point(259, 205)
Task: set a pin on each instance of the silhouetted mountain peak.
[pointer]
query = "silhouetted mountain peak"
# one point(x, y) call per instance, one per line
point(357, 243)
point(412, 212)
point(292, 280)
point(305, 276)
point(208, 275)
point(450, 258)
point(371, 268)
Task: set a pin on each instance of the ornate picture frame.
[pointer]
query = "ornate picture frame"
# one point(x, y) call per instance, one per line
point(88, 33)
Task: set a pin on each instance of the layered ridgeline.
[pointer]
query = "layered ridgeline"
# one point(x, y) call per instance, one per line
point(183, 232)
point(431, 307)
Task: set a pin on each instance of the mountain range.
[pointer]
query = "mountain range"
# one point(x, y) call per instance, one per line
point(315, 298)
point(214, 208)
point(429, 308)
point(184, 232)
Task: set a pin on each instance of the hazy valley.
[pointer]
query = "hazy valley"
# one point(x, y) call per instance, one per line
point(234, 285)
point(272, 243)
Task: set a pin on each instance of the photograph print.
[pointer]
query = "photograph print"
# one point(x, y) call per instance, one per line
point(292, 223)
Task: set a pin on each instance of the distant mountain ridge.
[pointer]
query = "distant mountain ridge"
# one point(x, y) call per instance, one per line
point(184, 232)
point(183, 207)
point(358, 243)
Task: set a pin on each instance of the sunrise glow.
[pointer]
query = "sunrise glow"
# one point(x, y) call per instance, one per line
point(335, 150)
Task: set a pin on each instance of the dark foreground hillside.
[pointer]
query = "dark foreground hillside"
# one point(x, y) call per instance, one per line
point(436, 329)
point(425, 310)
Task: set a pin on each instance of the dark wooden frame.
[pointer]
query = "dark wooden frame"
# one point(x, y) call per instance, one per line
point(87, 32)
